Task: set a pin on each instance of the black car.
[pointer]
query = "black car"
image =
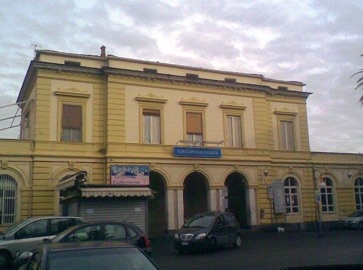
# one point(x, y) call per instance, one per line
point(87, 256)
point(207, 231)
point(106, 231)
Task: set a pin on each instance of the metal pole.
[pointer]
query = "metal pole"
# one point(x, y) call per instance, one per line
point(318, 202)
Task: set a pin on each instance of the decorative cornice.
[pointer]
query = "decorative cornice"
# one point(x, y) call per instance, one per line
point(71, 92)
point(233, 105)
point(151, 98)
point(285, 111)
point(194, 102)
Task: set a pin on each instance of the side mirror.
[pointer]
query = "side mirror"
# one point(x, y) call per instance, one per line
point(22, 259)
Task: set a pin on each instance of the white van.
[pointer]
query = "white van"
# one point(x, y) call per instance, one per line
point(29, 232)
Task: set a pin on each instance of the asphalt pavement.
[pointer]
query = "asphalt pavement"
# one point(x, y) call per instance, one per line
point(271, 250)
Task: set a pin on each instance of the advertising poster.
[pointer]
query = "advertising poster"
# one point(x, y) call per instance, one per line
point(130, 175)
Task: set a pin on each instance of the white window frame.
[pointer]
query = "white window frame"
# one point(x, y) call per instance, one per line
point(327, 195)
point(194, 136)
point(233, 131)
point(291, 187)
point(151, 126)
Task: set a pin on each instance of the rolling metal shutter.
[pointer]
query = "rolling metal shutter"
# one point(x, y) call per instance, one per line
point(130, 210)
point(73, 209)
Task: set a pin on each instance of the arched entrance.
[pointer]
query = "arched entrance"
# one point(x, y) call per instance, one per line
point(236, 185)
point(156, 206)
point(195, 194)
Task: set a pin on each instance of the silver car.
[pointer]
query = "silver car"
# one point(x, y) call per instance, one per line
point(29, 232)
point(354, 220)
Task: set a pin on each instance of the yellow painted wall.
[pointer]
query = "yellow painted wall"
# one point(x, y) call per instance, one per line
point(113, 115)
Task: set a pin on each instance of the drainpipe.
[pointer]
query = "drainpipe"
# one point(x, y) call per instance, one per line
point(105, 145)
point(31, 181)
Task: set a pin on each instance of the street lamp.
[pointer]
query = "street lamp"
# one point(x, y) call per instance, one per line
point(318, 199)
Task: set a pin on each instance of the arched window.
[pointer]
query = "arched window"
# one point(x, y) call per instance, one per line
point(327, 195)
point(291, 195)
point(8, 187)
point(358, 190)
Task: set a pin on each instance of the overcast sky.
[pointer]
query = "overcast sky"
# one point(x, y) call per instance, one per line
point(318, 43)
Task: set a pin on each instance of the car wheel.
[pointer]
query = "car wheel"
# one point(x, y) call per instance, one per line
point(4, 260)
point(212, 245)
point(238, 242)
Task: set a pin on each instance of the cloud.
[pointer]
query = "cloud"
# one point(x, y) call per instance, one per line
point(315, 42)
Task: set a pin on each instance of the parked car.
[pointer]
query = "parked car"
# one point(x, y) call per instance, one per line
point(92, 255)
point(354, 220)
point(207, 231)
point(106, 231)
point(26, 233)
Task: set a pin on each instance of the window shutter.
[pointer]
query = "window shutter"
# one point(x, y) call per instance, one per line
point(72, 117)
point(287, 135)
point(194, 123)
point(151, 113)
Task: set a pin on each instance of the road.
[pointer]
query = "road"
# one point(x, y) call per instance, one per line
point(270, 250)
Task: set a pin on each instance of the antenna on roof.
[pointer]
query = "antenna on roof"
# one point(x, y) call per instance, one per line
point(34, 45)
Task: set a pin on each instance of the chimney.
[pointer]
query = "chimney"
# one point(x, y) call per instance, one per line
point(103, 51)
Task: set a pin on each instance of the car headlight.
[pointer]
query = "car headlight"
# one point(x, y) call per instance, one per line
point(176, 236)
point(201, 236)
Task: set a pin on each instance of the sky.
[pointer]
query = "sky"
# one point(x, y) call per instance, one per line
point(317, 42)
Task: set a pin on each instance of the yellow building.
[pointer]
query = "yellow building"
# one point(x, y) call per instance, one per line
point(211, 139)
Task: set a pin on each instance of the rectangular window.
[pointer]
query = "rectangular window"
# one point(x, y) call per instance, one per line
point(194, 126)
point(71, 123)
point(287, 135)
point(234, 133)
point(327, 202)
point(152, 126)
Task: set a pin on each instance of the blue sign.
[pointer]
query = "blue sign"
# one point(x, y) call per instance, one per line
point(201, 152)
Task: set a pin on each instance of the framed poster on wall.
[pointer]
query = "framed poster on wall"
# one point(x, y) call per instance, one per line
point(130, 175)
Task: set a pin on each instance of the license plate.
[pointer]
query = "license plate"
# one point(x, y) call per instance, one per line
point(185, 243)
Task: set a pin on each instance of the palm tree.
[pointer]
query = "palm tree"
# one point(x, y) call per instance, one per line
point(359, 82)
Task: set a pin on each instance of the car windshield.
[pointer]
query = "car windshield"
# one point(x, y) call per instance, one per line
point(14, 227)
point(100, 258)
point(200, 221)
point(357, 214)
point(62, 234)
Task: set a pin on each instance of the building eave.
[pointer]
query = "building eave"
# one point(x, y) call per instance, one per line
point(228, 73)
point(36, 65)
point(201, 81)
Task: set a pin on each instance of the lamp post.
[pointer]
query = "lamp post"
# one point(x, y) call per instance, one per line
point(318, 200)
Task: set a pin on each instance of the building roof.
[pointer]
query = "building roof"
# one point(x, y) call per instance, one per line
point(146, 70)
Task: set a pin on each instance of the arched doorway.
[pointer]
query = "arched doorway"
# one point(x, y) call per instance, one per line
point(195, 194)
point(236, 185)
point(156, 206)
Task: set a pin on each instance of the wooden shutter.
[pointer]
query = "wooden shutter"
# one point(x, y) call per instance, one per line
point(194, 123)
point(72, 117)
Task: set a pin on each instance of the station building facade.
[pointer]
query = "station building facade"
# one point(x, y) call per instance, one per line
point(212, 140)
